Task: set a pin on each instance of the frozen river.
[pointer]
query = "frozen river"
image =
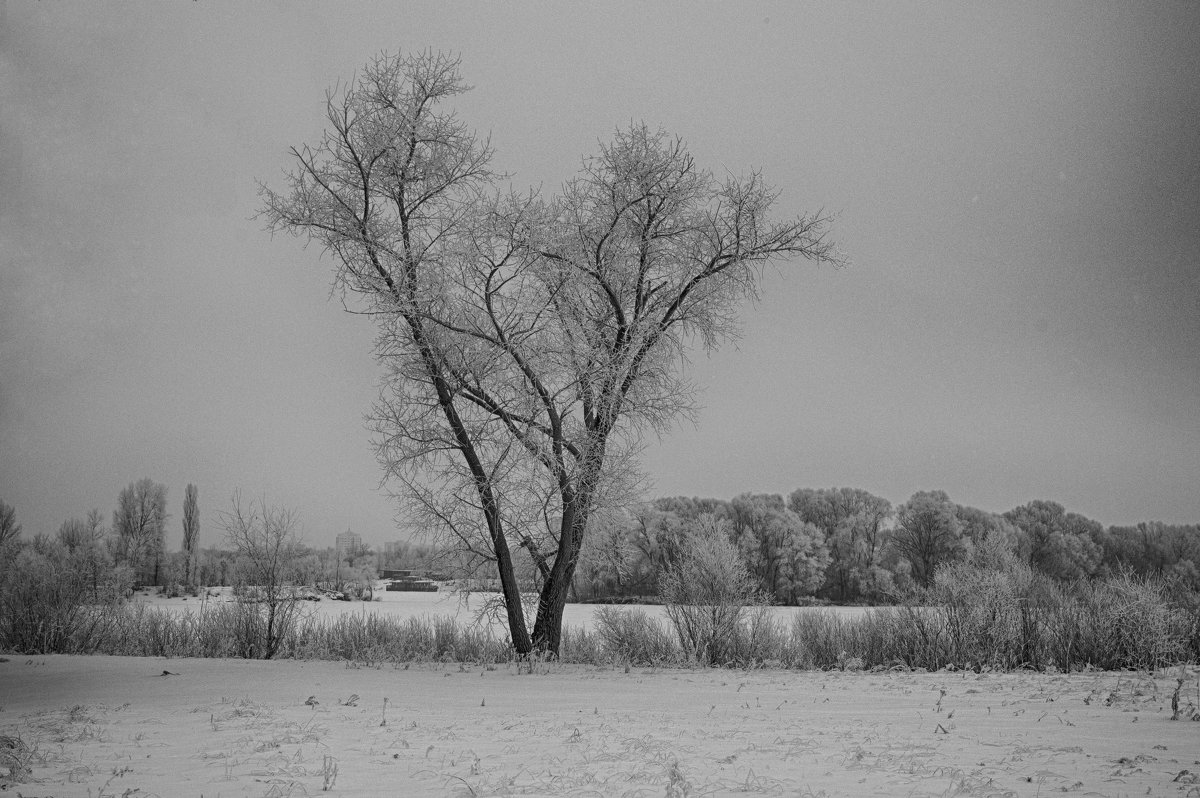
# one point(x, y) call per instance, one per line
point(448, 603)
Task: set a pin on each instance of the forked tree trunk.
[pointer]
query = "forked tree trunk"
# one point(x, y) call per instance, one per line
point(547, 630)
point(552, 601)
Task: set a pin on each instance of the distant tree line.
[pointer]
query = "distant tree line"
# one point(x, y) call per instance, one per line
point(111, 561)
point(845, 545)
point(828, 545)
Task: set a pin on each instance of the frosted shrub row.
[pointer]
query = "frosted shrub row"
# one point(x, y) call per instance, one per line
point(978, 621)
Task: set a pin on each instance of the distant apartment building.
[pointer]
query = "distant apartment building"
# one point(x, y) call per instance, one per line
point(348, 542)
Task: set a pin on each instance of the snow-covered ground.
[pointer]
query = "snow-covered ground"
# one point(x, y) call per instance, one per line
point(442, 603)
point(91, 726)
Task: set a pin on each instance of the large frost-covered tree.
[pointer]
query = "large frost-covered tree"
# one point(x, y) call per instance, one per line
point(527, 343)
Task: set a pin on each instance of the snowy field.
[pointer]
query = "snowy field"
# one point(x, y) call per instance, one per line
point(128, 726)
point(123, 726)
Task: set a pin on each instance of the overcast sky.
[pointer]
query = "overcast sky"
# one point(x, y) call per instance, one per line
point(1018, 187)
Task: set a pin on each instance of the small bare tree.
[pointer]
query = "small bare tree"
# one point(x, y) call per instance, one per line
point(73, 534)
point(97, 563)
point(139, 523)
point(191, 531)
point(267, 548)
point(9, 528)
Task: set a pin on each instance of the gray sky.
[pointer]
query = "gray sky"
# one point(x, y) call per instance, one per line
point(1018, 187)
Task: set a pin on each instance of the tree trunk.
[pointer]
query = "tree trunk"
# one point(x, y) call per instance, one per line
point(547, 629)
point(511, 591)
point(446, 399)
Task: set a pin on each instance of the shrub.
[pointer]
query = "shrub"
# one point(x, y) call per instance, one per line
point(1125, 621)
point(706, 593)
point(1186, 603)
point(44, 601)
point(632, 636)
point(581, 646)
point(906, 636)
point(762, 639)
point(268, 553)
point(379, 638)
point(40, 604)
point(984, 622)
point(820, 637)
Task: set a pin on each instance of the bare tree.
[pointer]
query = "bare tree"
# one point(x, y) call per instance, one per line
point(139, 524)
point(528, 344)
point(787, 556)
point(95, 526)
point(96, 563)
point(852, 522)
point(1061, 544)
point(9, 528)
point(928, 533)
point(264, 539)
point(191, 531)
point(88, 560)
point(73, 534)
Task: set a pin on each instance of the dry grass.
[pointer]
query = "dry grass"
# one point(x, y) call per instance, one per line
point(971, 620)
point(15, 758)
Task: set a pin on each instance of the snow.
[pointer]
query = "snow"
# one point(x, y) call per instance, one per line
point(446, 603)
point(191, 727)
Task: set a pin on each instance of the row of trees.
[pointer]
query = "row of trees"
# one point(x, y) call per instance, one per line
point(847, 545)
point(132, 550)
point(842, 545)
point(136, 539)
point(48, 582)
